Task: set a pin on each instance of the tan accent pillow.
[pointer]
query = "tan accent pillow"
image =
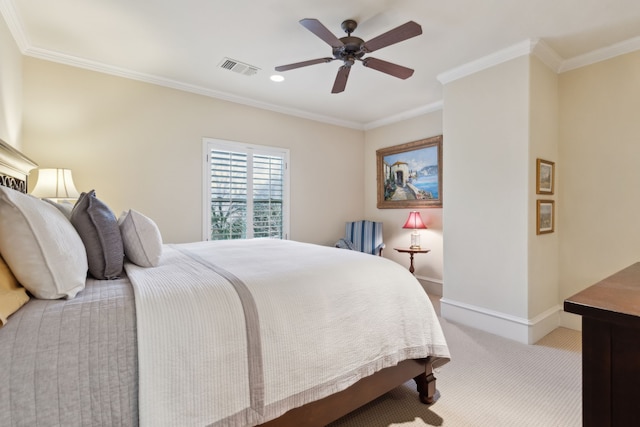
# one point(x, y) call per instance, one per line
point(12, 295)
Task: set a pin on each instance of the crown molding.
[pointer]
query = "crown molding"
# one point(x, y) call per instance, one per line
point(410, 114)
point(546, 54)
point(599, 55)
point(535, 47)
point(174, 84)
point(543, 52)
point(504, 55)
point(8, 12)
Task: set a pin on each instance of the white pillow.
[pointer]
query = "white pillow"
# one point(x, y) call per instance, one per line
point(41, 247)
point(141, 238)
point(64, 206)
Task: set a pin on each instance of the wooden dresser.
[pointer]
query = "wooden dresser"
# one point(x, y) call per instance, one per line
point(610, 312)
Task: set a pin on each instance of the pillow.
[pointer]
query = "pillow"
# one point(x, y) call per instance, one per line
point(12, 295)
point(141, 238)
point(344, 244)
point(41, 247)
point(65, 207)
point(98, 229)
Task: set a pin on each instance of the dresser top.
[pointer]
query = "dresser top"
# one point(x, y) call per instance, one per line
point(616, 298)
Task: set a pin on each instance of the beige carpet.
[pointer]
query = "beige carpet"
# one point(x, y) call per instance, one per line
point(490, 381)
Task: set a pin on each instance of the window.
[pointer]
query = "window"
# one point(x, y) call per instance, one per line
point(246, 191)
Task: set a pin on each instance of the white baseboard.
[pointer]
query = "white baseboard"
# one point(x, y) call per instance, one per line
point(571, 321)
point(526, 331)
point(432, 286)
point(430, 279)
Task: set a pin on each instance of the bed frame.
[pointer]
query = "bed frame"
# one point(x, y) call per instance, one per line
point(14, 167)
point(14, 171)
point(331, 408)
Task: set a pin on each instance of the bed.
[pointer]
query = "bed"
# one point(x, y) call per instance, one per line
point(256, 332)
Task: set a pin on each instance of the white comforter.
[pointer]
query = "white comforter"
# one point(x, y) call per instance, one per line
point(239, 332)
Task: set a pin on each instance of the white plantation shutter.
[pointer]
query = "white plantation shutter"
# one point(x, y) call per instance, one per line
point(228, 183)
point(246, 191)
point(268, 195)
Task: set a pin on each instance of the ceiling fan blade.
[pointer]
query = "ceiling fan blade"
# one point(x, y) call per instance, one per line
point(341, 79)
point(394, 70)
point(321, 31)
point(398, 34)
point(303, 64)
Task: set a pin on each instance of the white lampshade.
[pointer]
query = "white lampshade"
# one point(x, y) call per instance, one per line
point(55, 184)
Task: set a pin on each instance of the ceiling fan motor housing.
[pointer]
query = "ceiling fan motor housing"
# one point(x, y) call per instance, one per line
point(351, 51)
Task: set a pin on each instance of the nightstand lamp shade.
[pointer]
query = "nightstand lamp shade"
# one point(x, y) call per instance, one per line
point(56, 185)
point(415, 222)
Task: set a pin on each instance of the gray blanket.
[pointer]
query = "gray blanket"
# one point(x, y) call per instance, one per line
point(72, 362)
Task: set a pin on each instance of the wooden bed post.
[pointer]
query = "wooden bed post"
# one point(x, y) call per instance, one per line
point(426, 384)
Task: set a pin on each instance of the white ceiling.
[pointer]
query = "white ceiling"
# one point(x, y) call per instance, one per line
point(181, 43)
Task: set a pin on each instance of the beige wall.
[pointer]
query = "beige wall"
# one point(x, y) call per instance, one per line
point(10, 88)
point(497, 271)
point(599, 171)
point(499, 275)
point(140, 146)
point(427, 266)
point(486, 177)
point(543, 272)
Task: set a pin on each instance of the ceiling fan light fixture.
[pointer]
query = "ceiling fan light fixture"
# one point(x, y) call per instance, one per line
point(277, 78)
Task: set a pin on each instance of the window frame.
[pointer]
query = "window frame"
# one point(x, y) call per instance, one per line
point(225, 145)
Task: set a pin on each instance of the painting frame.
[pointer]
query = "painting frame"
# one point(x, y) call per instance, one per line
point(545, 216)
point(410, 164)
point(545, 176)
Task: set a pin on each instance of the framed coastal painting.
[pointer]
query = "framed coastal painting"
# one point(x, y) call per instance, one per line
point(410, 175)
point(544, 176)
point(545, 216)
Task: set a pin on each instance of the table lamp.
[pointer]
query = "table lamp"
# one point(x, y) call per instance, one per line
point(415, 222)
point(56, 185)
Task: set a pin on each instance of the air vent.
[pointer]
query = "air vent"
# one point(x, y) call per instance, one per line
point(238, 67)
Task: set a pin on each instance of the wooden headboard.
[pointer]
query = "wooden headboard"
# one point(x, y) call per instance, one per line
point(14, 167)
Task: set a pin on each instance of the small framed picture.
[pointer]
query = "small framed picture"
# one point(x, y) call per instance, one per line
point(545, 216)
point(544, 176)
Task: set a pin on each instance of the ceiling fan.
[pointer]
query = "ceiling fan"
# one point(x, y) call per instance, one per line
point(350, 49)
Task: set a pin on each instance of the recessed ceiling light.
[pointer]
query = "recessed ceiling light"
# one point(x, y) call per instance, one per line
point(277, 78)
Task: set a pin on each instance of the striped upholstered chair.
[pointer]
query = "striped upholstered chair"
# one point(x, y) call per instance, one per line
point(364, 236)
